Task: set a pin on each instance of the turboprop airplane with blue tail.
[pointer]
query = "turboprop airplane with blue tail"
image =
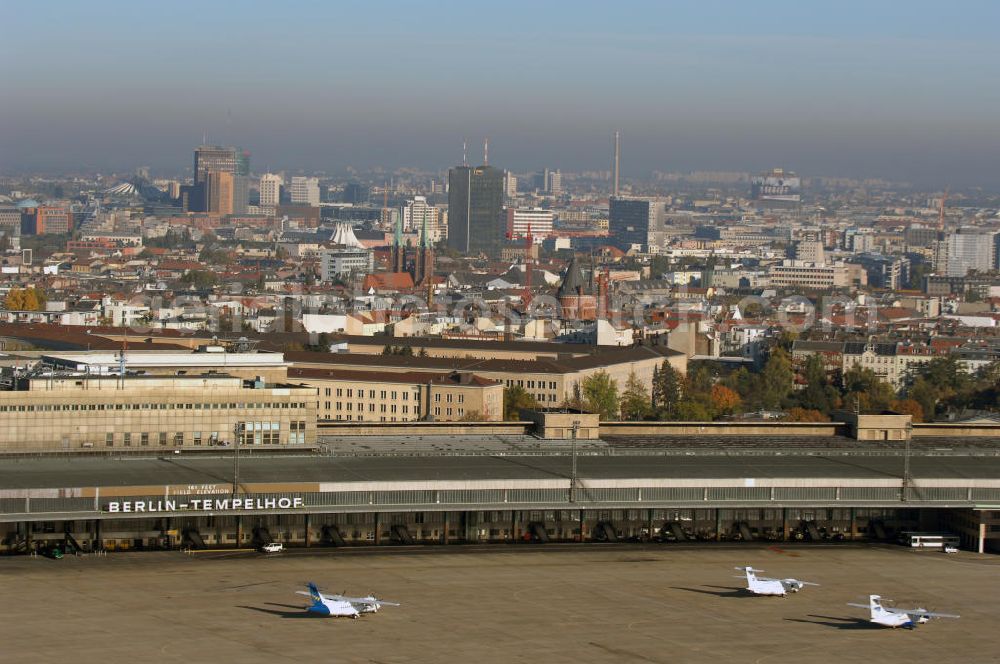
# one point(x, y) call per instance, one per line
point(760, 585)
point(341, 606)
point(893, 617)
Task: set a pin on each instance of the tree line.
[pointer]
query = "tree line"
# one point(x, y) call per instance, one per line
point(810, 393)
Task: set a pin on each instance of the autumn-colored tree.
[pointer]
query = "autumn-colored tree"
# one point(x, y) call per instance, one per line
point(909, 407)
point(725, 401)
point(24, 299)
point(805, 415)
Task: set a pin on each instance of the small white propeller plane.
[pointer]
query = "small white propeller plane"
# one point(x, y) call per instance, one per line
point(893, 617)
point(337, 606)
point(760, 585)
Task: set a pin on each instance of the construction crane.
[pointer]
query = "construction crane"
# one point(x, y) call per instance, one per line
point(385, 204)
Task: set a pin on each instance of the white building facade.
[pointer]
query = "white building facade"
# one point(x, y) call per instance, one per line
point(305, 191)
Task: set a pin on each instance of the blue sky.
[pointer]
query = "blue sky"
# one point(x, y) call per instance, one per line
point(891, 89)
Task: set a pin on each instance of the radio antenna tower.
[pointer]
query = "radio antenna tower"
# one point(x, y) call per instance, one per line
point(944, 198)
point(615, 164)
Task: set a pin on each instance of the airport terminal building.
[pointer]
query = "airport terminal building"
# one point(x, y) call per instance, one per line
point(561, 477)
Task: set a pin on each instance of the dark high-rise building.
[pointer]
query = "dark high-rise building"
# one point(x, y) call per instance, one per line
point(475, 203)
point(243, 162)
point(635, 221)
point(213, 158)
point(356, 193)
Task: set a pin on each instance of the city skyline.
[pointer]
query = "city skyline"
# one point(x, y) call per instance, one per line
point(855, 90)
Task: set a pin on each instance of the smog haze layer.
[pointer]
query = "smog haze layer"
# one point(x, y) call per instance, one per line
point(901, 91)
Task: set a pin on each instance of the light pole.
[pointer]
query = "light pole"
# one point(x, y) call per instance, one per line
point(572, 476)
point(237, 431)
point(907, 480)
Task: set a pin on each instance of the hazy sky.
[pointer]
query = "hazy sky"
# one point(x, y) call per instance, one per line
point(893, 89)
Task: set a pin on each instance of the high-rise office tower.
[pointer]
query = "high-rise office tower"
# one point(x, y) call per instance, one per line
point(305, 191)
point(417, 214)
point(636, 222)
point(615, 162)
point(219, 189)
point(241, 194)
point(475, 201)
point(242, 162)
point(964, 250)
point(270, 191)
point(356, 193)
point(213, 158)
point(553, 182)
point(509, 185)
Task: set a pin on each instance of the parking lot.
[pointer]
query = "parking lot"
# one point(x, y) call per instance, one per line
point(547, 603)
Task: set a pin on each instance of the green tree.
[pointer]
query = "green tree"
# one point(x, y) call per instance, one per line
point(600, 394)
point(776, 380)
point(635, 404)
point(926, 395)
point(693, 410)
point(818, 394)
point(699, 379)
point(747, 385)
point(954, 388)
point(658, 266)
point(516, 398)
point(668, 389)
point(200, 279)
point(865, 391)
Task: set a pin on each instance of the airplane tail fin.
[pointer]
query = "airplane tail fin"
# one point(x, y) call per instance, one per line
point(875, 603)
point(750, 573)
point(314, 593)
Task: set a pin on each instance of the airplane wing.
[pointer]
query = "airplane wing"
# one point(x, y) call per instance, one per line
point(860, 606)
point(804, 583)
point(931, 614)
point(367, 600)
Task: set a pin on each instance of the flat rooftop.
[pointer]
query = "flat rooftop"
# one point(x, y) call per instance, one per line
point(181, 470)
point(160, 359)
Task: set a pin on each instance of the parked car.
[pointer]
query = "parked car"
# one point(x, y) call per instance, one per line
point(950, 548)
point(273, 547)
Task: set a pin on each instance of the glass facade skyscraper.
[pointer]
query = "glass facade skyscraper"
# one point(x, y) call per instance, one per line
point(213, 158)
point(475, 204)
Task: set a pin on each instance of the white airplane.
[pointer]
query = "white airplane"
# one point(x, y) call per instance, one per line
point(339, 606)
point(760, 585)
point(892, 617)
